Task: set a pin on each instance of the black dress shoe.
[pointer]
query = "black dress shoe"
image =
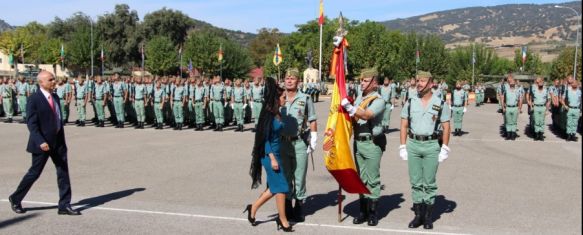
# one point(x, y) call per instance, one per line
point(16, 207)
point(68, 211)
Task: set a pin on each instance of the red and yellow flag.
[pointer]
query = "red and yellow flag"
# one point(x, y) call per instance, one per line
point(337, 153)
point(321, 16)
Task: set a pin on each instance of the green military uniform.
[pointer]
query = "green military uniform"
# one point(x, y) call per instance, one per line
point(228, 110)
point(198, 101)
point(101, 91)
point(573, 101)
point(257, 95)
point(511, 98)
point(239, 98)
point(191, 114)
point(139, 103)
point(149, 109)
point(80, 96)
point(7, 92)
point(366, 152)
point(119, 89)
point(423, 147)
point(167, 110)
point(217, 94)
point(22, 90)
point(296, 115)
point(159, 95)
point(540, 98)
point(459, 99)
point(386, 93)
point(63, 92)
point(129, 107)
point(178, 95)
point(32, 88)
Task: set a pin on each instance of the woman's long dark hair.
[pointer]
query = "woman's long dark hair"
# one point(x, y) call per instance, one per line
point(268, 111)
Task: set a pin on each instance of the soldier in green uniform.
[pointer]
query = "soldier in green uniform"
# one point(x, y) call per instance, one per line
point(63, 91)
point(257, 99)
point(217, 96)
point(101, 93)
point(511, 101)
point(70, 97)
point(158, 99)
point(81, 100)
point(191, 116)
point(179, 96)
point(128, 105)
point(7, 93)
point(228, 114)
point(199, 102)
point(386, 92)
point(554, 97)
point(247, 111)
point(120, 96)
point(459, 103)
point(411, 90)
point(421, 119)
point(299, 121)
point(571, 102)
point(150, 85)
point(138, 100)
point(238, 103)
point(22, 94)
point(369, 142)
point(91, 95)
point(539, 101)
point(500, 90)
point(32, 87)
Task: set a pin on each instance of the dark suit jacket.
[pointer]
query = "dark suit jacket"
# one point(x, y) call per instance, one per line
point(42, 124)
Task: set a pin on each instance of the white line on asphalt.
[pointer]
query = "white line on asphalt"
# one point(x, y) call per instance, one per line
point(240, 219)
point(503, 140)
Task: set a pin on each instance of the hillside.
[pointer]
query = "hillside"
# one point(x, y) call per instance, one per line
point(4, 26)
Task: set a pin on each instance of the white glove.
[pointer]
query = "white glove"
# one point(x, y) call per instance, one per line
point(444, 153)
point(313, 141)
point(251, 103)
point(348, 107)
point(232, 106)
point(226, 103)
point(392, 106)
point(465, 109)
point(450, 107)
point(403, 152)
point(244, 106)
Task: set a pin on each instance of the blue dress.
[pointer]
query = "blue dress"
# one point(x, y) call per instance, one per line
point(276, 181)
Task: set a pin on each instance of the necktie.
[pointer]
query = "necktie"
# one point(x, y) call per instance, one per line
point(51, 103)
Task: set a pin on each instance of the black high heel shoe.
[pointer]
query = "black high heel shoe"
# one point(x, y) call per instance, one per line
point(248, 210)
point(280, 225)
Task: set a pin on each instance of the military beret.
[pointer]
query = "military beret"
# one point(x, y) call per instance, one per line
point(423, 74)
point(368, 72)
point(293, 72)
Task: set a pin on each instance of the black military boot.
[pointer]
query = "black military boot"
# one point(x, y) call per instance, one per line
point(372, 212)
point(181, 126)
point(428, 218)
point(419, 209)
point(299, 211)
point(241, 127)
point(220, 127)
point(82, 123)
point(289, 209)
point(363, 215)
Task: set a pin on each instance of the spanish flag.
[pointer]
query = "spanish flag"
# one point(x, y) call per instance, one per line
point(321, 16)
point(337, 153)
point(277, 56)
point(219, 54)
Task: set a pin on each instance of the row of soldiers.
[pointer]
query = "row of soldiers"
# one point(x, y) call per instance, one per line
point(562, 99)
point(13, 95)
point(196, 102)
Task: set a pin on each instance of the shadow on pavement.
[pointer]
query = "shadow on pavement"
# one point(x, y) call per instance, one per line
point(13, 221)
point(386, 204)
point(100, 200)
point(442, 206)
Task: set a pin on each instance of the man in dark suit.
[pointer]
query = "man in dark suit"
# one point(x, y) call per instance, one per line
point(47, 139)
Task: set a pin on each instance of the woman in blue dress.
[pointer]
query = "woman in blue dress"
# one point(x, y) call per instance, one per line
point(266, 153)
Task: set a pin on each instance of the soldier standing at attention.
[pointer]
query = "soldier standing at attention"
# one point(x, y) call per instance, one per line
point(120, 96)
point(101, 93)
point(257, 99)
point(247, 109)
point(238, 103)
point(571, 102)
point(159, 98)
point(63, 92)
point(511, 101)
point(7, 93)
point(539, 102)
point(217, 96)
point(138, 101)
point(179, 96)
point(81, 99)
point(228, 109)
point(387, 94)
point(22, 94)
point(200, 102)
point(459, 103)
point(190, 91)
point(369, 142)
point(299, 121)
point(421, 118)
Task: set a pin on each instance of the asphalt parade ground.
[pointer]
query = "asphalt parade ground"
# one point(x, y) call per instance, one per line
point(128, 181)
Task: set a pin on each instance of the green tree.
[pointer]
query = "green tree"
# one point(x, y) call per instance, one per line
point(166, 22)
point(562, 66)
point(161, 56)
point(532, 65)
point(487, 63)
point(118, 33)
point(262, 46)
point(202, 48)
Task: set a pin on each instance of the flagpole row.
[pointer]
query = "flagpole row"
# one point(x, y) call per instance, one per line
point(339, 204)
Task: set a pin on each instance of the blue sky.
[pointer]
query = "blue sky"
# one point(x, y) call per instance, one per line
point(244, 15)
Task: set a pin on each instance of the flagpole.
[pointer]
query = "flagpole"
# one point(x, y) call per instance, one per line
point(339, 204)
point(142, 61)
point(417, 55)
point(473, 62)
point(180, 62)
point(320, 59)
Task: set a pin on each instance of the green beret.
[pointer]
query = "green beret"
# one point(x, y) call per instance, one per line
point(368, 73)
point(293, 72)
point(423, 74)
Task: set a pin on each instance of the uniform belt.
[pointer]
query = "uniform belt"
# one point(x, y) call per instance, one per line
point(197, 100)
point(458, 106)
point(423, 137)
point(139, 99)
point(539, 105)
point(23, 95)
point(290, 138)
point(177, 100)
point(364, 138)
point(117, 96)
point(573, 107)
point(257, 100)
point(511, 106)
point(156, 102)
point(98, 98)
point(238, 102)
